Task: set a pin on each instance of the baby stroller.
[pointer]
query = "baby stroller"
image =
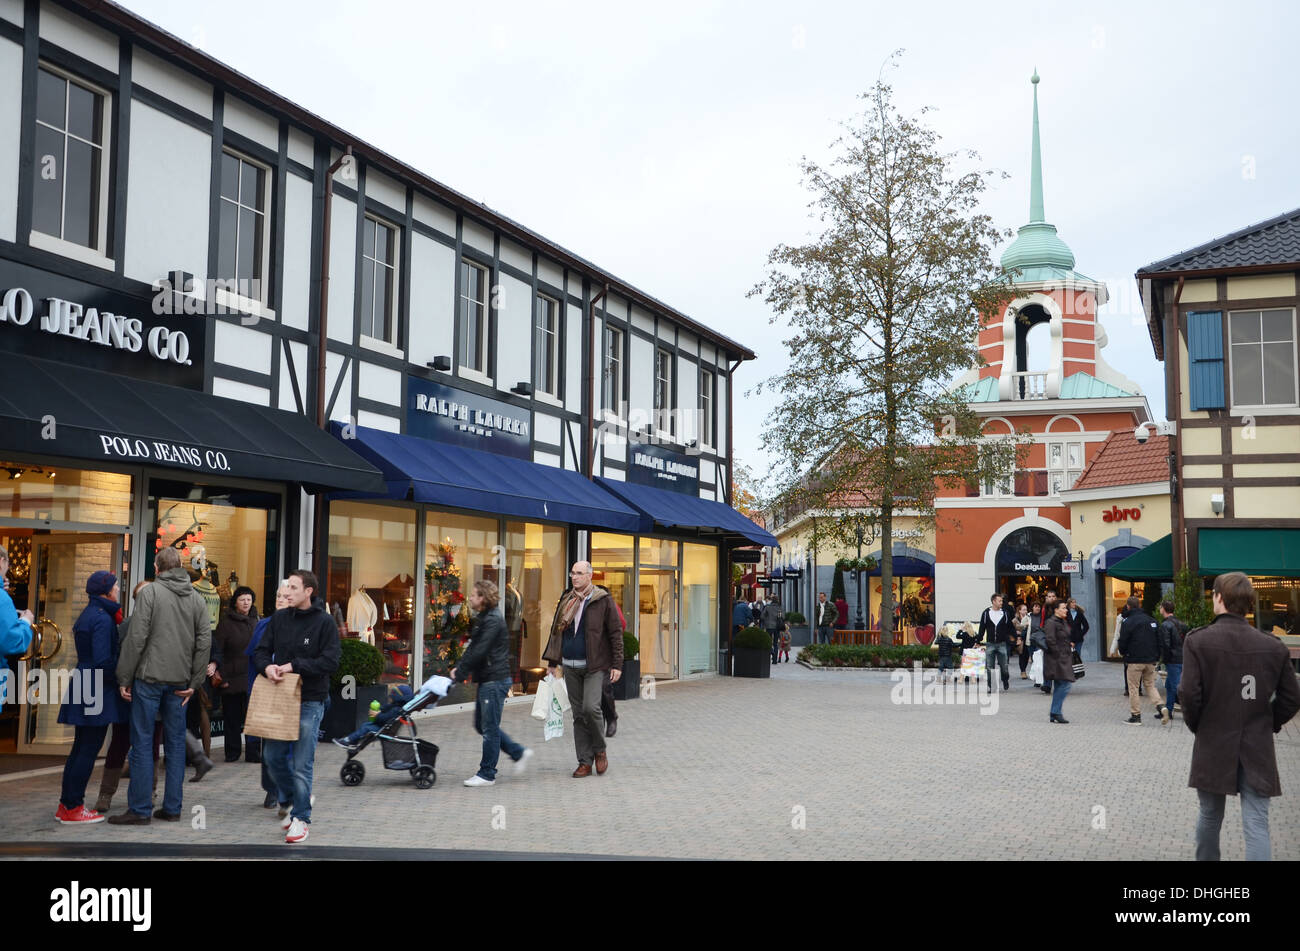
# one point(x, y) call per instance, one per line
point(403, 749)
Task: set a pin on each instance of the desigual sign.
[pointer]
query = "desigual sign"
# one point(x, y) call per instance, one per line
point(47, 315)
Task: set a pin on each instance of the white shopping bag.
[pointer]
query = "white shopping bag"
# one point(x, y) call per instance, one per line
point(561, 692)
point(972, 662)
point(1036, 668)
point(542, 702)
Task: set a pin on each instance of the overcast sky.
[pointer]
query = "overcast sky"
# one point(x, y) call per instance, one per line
point(662, 143)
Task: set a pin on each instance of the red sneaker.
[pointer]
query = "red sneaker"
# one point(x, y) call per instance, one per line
point(60, 813)
point(80, 814)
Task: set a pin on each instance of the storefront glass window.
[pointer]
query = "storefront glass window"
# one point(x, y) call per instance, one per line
point(369, 580)
point(914, 608)
point(1279, 605)
point(1117, 592)
point(613, 565)
point(536, 576)
point(458, 551)
point(55, 494)
point(226, 537)
point(699, 608)
point(657, 607)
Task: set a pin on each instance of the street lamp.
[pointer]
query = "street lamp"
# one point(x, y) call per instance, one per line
point(864, 529)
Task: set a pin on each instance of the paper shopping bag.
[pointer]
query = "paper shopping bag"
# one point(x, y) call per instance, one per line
point(542, 701)
point(554, 725)
point(561, 693)
point(274, 708)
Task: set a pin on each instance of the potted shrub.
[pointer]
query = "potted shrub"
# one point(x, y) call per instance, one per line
point(629, 684)
point(752, 649)
point(365, 664)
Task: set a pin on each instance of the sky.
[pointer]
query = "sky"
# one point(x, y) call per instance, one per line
point(662, 142)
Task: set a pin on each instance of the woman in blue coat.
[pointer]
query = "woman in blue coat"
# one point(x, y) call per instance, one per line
point(92, 703)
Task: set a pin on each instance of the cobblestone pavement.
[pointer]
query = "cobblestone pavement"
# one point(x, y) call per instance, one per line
point(809, 764)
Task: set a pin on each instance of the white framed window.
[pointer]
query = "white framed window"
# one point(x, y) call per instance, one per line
point(243, 242)
point(70, 163)
point(379, 281)
point(546, 345)
point(706, 407)
point(612, 373)
point(663, 418)
point(473, 316)
point(1064, 465)
point(1262, 351)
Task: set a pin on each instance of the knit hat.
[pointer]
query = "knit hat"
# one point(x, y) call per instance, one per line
point(100, 583)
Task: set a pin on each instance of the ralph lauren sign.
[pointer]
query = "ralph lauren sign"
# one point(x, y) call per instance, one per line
point(460, 418)
point(648, 464)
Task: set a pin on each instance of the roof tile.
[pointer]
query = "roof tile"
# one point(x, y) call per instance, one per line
point(1275, 241)
point(1123, 460)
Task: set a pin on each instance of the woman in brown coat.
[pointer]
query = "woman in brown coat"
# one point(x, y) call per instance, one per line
point(232, 636)
point(1058, 659)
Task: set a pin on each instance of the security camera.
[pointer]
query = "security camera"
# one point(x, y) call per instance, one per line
point(1142, 434)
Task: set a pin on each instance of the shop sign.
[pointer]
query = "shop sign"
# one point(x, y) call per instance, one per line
point(165, 453)
point(1032, 551)
point(1070, 567)
point(662, 468)
point(47, 315)
point(1117, 514)
point(459, 418)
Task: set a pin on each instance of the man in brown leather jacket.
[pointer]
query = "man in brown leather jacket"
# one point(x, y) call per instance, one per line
point(1238, 689)
point(586, 641)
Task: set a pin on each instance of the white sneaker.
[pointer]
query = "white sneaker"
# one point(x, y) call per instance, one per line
point(521, 764)
point(312, 800)
point(297, 832)
point(477, 780)
point(287, 821)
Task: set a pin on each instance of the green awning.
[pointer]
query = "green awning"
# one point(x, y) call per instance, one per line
point(1153, 563)
point(1267, 552)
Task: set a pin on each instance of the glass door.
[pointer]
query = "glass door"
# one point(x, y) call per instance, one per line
point(60, 565)
point(658, 614)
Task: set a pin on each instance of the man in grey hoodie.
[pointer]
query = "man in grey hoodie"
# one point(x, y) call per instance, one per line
point(163, 660)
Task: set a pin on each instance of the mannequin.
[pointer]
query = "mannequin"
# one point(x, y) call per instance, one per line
point(362, 616)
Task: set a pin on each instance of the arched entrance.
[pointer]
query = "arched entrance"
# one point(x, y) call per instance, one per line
point(1028, 564)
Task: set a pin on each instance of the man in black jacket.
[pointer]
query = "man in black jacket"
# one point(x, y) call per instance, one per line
point(1078, 625)
point(1139, 645)
point(301, 639)
point(487, 660)
point(997, 631)
point(1170, 634)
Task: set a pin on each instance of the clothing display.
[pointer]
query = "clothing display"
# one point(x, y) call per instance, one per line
point(208, 591)
point(362, 616)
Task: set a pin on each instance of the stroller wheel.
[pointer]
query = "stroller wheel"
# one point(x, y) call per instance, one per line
point(425, 777)
point(352, 773)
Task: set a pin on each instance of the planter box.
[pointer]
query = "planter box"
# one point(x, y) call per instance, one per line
point(800, 636)
point(749, 662)
point(344, 716)
point(629, 684)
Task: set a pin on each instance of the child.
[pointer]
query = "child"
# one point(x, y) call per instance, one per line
point(945, 644)
point(785, 645)
point(400, 698)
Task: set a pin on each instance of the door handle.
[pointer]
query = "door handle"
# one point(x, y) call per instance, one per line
point(58, 639)
point(33, 646)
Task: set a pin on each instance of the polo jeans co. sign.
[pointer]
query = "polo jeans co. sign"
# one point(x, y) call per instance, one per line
point(166, 453)
point(46, 315)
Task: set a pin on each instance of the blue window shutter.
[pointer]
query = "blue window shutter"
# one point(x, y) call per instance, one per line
point(1205, 359)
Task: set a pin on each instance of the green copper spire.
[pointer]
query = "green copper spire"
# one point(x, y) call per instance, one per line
point(1036, 246)
point(1036, 165)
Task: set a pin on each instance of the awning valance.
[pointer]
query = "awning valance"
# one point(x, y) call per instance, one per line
point(676, 510)
point(1262, 552)
point(421, 470)
point(1153, 563)
point(52, 409)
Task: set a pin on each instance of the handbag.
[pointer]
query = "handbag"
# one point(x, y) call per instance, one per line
point(1078, 666)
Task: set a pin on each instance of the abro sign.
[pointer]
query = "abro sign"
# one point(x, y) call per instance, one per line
point(1117, 514)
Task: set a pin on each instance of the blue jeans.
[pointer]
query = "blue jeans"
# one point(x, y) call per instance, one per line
point(290, 763)
point(1254, 823)
point(81, 763)
point(1173, 677)
point(823, 634)
point(1060, 688)
point(487, 721)
point(147, 702)
point(997, 653)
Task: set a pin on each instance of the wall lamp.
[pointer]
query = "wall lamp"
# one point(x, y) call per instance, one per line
point(441, 364)
point(522, 389)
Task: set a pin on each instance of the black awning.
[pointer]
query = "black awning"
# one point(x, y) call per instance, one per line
point(49, 408)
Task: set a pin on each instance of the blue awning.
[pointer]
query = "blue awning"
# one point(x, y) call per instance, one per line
point(905, 566)
point(675, 510)
point(420, 470)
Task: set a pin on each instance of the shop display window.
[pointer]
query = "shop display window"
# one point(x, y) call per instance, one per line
point(458, 551)
point(535, 577)
point(613, 565)
point(699, 608)
point(913, 608)
point(1277, 606)
point(226, 537)
point(1117, 593)
point(52, 493)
